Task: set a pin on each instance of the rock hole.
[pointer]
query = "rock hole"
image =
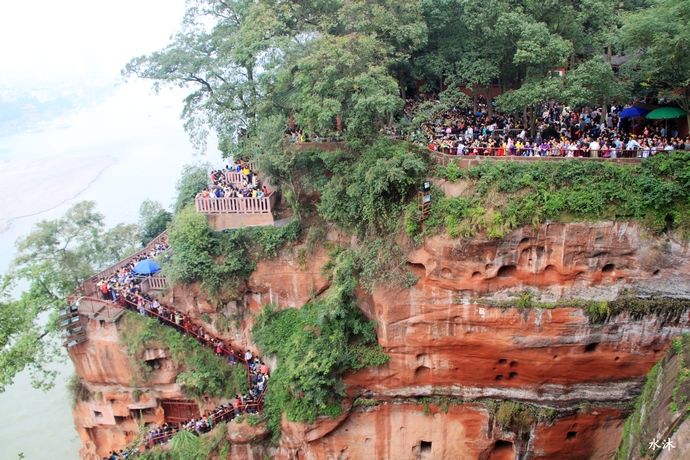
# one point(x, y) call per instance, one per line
point(656, 272)
point(418, 269)
point(591, 347)
point(616, 358)
point(555, 356)
point(502, 450)
point(446, 273)
point(608, 268)
point(524, 240)
point(499, 377)
point(425, 446)
point(502, 361)
point(506, 271)
point(512, 375)
point(571, 435)
point(476, 275)
point(513, 363)
point(422, 373)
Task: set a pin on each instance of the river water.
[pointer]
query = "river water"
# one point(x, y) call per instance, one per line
point(126, 147)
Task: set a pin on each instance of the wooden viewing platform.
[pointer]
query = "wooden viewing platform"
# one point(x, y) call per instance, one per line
point(235, 212)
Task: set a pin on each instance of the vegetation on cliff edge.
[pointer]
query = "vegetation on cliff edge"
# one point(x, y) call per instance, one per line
point(203, 373)
point(316, 346)
point(501, 196)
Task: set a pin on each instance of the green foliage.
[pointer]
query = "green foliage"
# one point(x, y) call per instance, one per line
point(412, 216)
point(51, 263)
point(598, 311)
point(668, 309)
point(677, 345)
point(77, 390)
point(186, 445)
point(504, 195)
point(634, 423)
point(365, 402)
point(520, 417)
point(194, 178)
point(367, 194)
point(656, 38)
point(220, 260)
point(382, 261)
point(254, 419)
point(452, 172)
point(153, 220)
point(204, 373)
point(315, 346)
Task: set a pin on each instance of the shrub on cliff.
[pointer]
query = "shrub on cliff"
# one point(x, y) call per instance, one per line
point(503, 195)
point(219, 260)
point(203, 374)
point(315, 346)
point(367, 193)
point(194, 178)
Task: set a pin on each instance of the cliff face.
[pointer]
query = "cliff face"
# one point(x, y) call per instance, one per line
point(447, 339)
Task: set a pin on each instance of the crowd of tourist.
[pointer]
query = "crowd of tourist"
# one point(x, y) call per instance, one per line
point(224, 183)
point(560, 131)
point(124, 287)
point(124, 279)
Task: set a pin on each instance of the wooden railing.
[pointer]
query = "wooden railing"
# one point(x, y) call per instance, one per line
point(156, 283)
point(234, 177)
point(445, 157)
point(100, 309)
point(233, 205)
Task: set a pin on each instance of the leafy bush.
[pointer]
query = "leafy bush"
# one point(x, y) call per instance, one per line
point(194, 179)
point(367, 194)
point(219, 260)
point(315, 346)
point(77, 390)
point(520, 417)
point(153, 220)
point(505, 195)
point(204, 374)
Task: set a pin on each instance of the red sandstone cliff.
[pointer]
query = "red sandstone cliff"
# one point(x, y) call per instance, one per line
point(445, 339)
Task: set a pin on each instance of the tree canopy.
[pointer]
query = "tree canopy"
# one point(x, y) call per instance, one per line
point(52, 261)
point(355, 61)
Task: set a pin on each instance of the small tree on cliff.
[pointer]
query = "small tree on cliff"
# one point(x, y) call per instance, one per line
point(53, 260)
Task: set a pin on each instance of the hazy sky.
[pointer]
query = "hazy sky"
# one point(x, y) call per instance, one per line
point(46, 43)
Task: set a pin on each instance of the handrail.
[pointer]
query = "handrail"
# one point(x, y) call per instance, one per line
point(233, 205)
point(536, 153)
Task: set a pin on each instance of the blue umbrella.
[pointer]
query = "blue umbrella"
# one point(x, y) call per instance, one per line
point(633, 112)
point(146, 267)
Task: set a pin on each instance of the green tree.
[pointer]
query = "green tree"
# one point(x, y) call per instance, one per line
point(657, 39)
point(341, 75)
point(52, 262)
point(194, 178)
point(593, 83)
point(153, 220)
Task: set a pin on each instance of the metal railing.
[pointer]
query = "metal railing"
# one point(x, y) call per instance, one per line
point(233, 205)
